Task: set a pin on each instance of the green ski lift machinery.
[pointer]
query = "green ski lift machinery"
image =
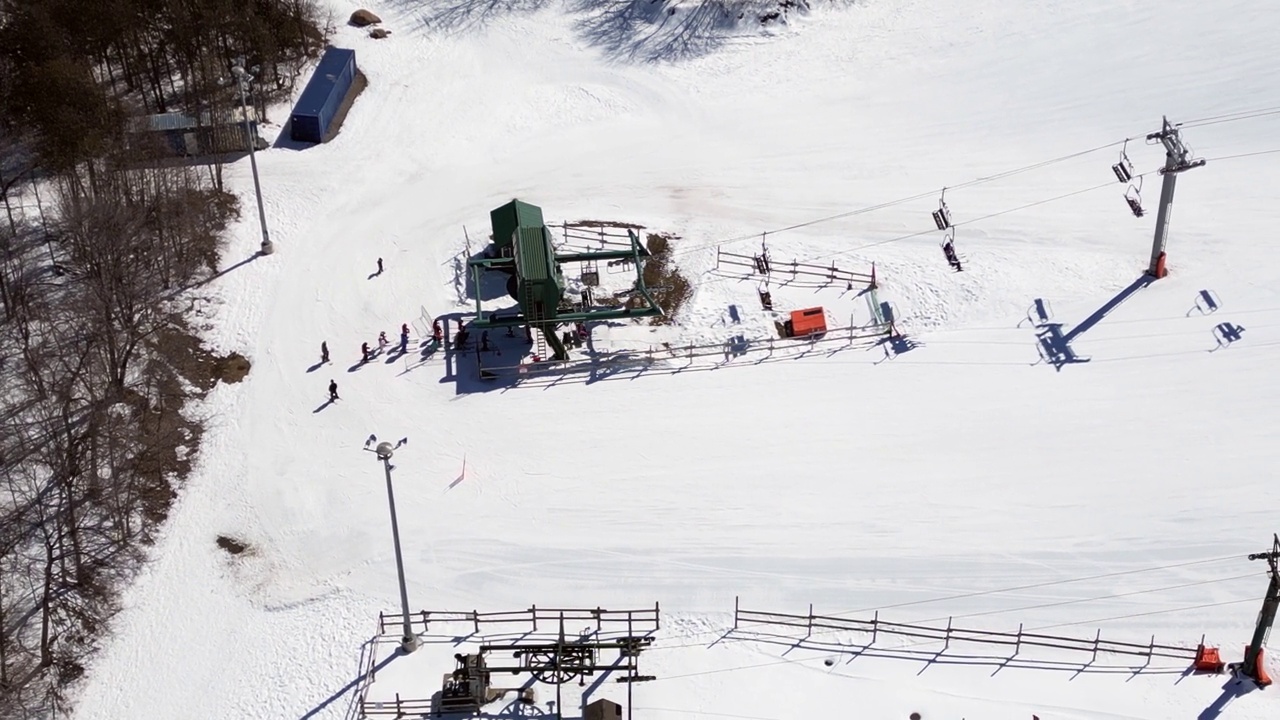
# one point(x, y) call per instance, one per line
point(522, 249)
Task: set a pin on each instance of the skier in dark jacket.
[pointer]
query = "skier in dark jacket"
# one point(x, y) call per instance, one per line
point(333, 390)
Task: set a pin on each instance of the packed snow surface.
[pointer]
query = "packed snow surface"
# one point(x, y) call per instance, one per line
point(1110, 450)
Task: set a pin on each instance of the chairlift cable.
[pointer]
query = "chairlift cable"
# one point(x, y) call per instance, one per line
point(1144, 614)
point(1042, 202)
point(1242, 155)
point(1078, 601)
point(1032, 586)
point(1229, 117)
point(1230, 114)
point(920, 196)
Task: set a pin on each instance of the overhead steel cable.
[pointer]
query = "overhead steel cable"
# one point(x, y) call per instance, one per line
point(911, 198)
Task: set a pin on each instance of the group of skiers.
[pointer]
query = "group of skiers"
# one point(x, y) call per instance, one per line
point(438, 338)
point(367, 353)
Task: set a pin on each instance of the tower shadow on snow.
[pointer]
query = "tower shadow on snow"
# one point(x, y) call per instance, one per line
point(1054, 345)
point(1233, 688)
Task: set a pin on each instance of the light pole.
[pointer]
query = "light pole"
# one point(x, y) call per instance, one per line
point(242, 79)
point(409, 641)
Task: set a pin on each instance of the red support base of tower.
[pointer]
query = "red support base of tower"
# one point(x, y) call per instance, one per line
point(1262, 678)
point(1160, 269)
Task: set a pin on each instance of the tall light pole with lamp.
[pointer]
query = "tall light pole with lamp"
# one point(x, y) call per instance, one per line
point(243, 78)
point(384, 451)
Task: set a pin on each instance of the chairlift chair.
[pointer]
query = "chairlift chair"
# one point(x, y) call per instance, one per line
point(1134, 197)
point(949, 250)
point(942, 216)
point(766, 298)
point(1124, 168)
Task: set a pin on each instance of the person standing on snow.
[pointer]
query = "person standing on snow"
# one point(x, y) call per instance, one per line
point(333, 390)
point(364, 352)
point(324, 351)
point(382, 340)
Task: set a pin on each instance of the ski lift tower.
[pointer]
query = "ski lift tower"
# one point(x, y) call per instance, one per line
point(522, 249)
point(1252, 666)
point(1176, 160)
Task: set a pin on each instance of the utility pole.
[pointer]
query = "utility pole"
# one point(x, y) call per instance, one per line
point(1252, 665)
point(242, 79)
point(1176, 160)
point(384, 451)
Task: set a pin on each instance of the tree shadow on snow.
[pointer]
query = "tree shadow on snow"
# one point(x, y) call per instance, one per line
point(627, 30)
point(454, 15)
point(655, 30)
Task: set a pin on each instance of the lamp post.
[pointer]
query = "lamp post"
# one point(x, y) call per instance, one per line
point(409, 641)
point(242, 79)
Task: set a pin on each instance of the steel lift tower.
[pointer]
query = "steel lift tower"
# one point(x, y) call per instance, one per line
point(1176, 160)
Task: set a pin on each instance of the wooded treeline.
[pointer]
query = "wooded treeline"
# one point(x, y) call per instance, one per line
point(101, 257)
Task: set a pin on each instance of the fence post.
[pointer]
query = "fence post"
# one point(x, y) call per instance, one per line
point(1151, 649)
point(599, 620)
point(426, 621)
point(657, 616)
point(1096, 638)
point(875, 626)
point(533, 611)
point(475, 616)
point(809, 633)
point(1017, 646)
point(735, 612)
point(946, 643)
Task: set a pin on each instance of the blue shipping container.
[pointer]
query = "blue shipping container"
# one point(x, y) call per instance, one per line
point(323, 96)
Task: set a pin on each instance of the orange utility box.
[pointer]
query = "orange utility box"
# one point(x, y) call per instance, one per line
point(810, 321)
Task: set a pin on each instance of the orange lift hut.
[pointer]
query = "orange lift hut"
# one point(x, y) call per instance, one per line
point(810, 321)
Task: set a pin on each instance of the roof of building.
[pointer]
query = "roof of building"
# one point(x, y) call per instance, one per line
point(166, 122)
point(314, 96)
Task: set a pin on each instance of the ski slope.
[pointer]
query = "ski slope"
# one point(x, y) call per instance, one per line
point(1127, 486)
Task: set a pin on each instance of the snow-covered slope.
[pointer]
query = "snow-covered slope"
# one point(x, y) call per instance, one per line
point(855, 480)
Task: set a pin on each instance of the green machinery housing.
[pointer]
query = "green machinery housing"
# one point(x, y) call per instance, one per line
point(523, 250)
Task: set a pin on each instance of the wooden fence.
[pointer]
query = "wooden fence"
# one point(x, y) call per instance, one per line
point(643, 358)
point(949, 633)
point(638, 622)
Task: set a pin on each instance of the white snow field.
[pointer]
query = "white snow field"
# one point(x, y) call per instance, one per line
point(1121, 492)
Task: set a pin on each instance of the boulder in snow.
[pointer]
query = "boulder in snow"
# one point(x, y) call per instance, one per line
point(362, 17)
